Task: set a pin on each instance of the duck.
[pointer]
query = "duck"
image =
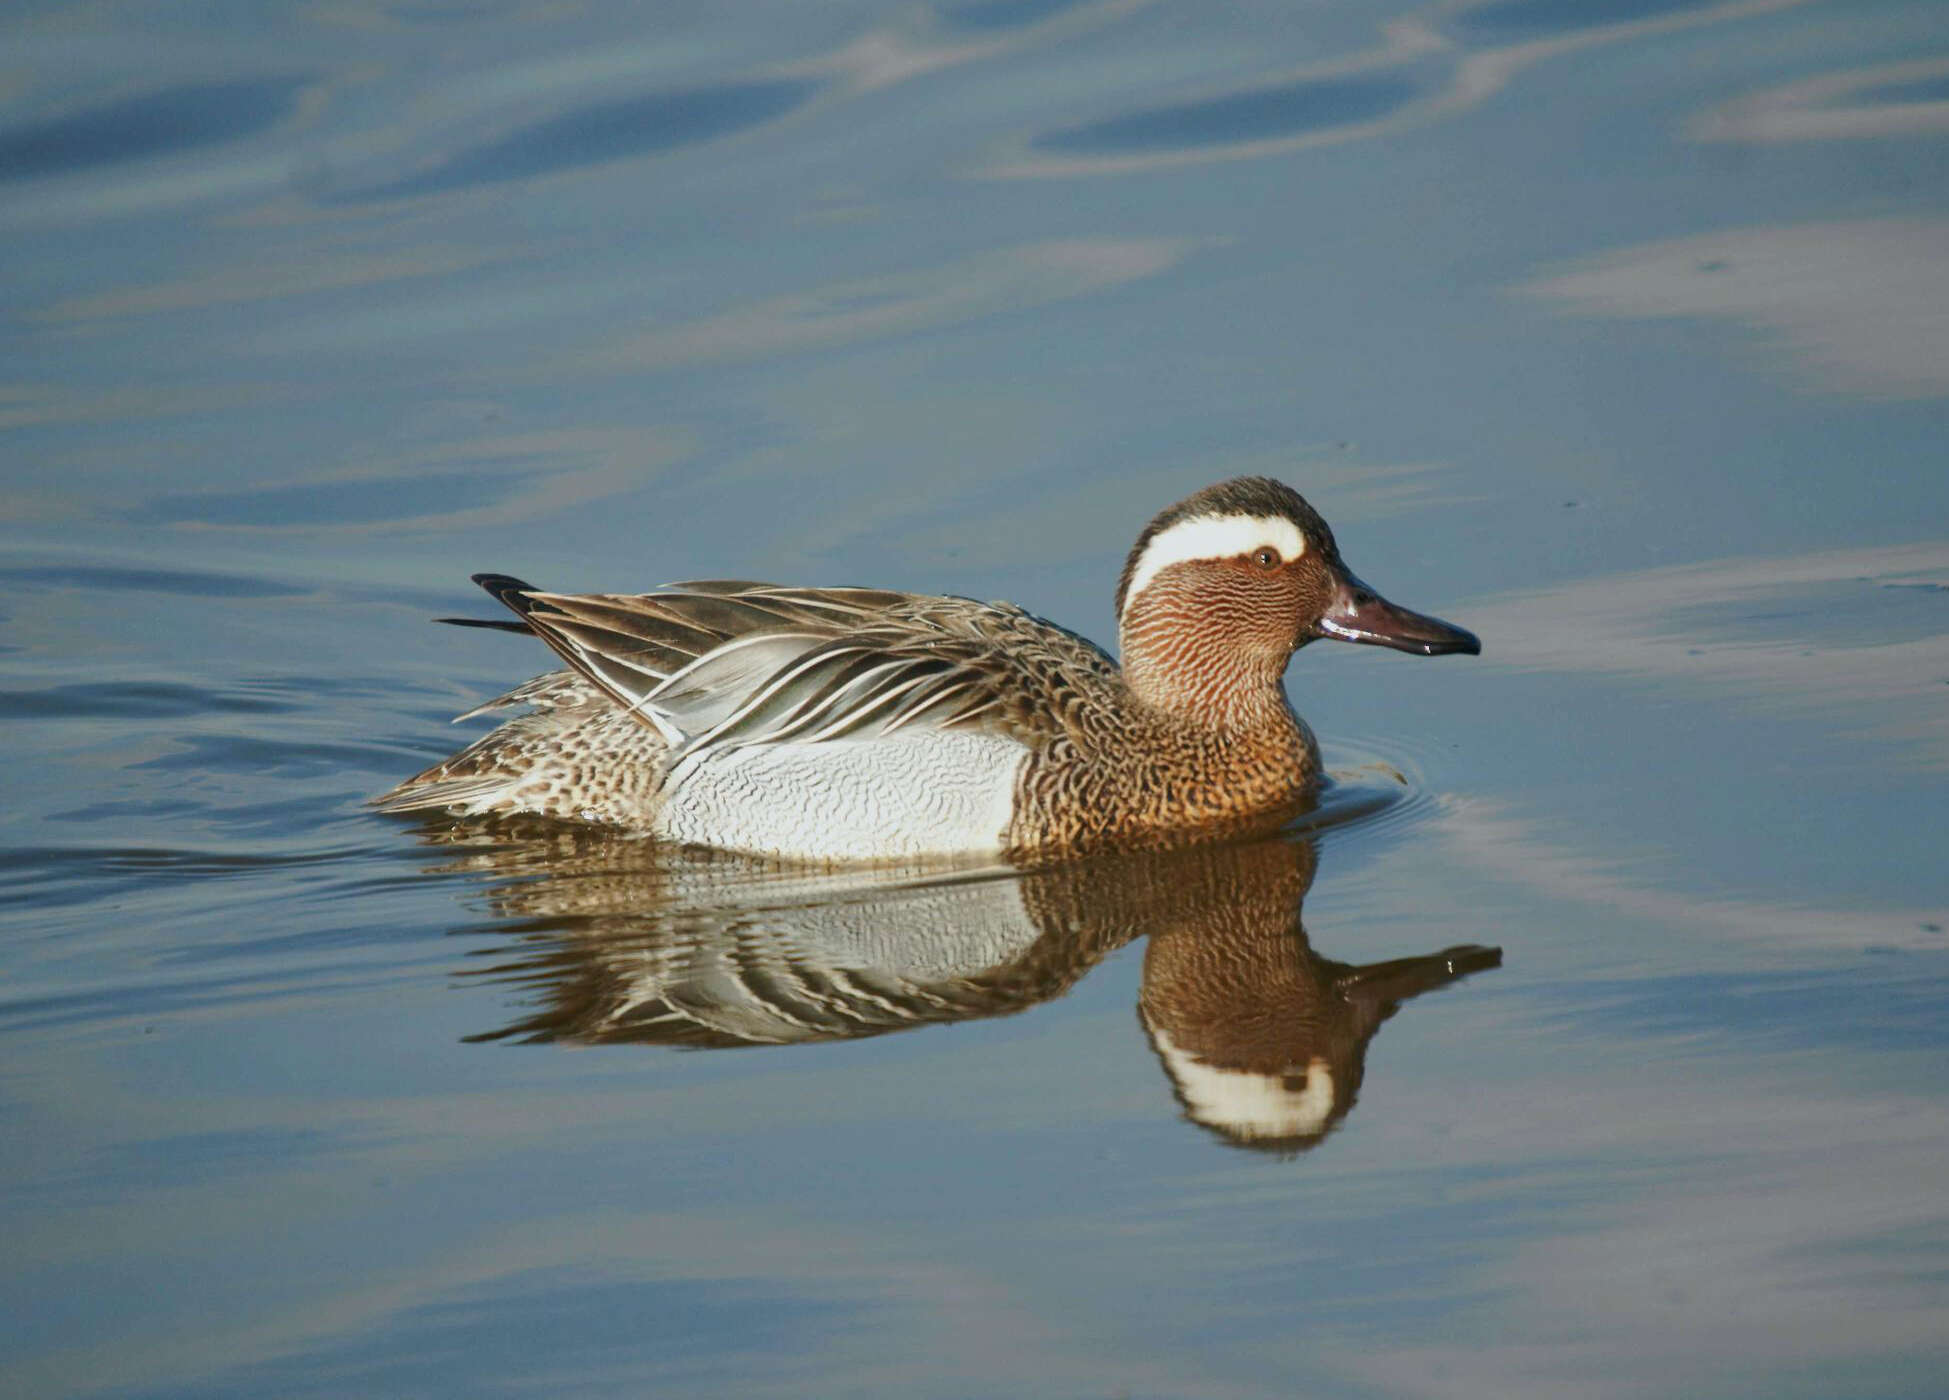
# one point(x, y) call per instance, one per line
point(851, 724)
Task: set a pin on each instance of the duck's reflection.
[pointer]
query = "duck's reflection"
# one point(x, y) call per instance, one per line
point(1264, 1041)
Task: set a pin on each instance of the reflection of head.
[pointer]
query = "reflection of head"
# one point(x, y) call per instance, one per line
point(1246, 1026)
point(1281, 1110)
point(1264, 1041)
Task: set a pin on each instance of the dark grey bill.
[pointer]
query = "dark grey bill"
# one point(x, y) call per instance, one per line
point(1359, 614)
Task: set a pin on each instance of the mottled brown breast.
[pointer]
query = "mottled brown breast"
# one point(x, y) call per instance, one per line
point(1123, 775)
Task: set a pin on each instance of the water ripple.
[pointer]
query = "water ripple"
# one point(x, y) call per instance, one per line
point(363, 501)
point(602, 132)
point(1871, 103)
point(174, 120)
point(180, 582)
point(24, 863)
point(1268, 114)
point(1434, 63)
point(46, 879)
point(986, 16)
point(1521, 20)
point(131, 700)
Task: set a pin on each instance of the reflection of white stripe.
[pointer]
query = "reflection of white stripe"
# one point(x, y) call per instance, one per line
point(1245, 1104)
point(1215, 537)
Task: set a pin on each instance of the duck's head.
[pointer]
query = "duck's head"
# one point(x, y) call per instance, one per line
point(1222, 588)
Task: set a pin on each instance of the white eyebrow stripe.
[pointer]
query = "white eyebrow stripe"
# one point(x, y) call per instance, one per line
point(1214, 537)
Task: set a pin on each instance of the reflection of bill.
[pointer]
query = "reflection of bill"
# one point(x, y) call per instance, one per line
point(1264, 1041)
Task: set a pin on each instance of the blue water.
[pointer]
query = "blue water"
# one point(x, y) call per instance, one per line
point(1588, 1041)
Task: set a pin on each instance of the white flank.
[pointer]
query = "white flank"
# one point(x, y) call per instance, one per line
point(929, 792)
point(1215, 537)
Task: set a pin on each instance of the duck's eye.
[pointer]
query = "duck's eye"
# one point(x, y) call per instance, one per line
point(1266, 557)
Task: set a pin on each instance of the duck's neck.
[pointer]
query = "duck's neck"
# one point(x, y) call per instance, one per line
point(1188, 665)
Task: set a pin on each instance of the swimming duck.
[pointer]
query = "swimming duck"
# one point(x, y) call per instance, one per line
point(843, 724)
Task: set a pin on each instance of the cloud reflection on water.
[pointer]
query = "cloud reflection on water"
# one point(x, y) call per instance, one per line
point(1722, 1212)
point(1858, 638)
point(473, 483)
point(317, 271)
point(559, 111)
point(1433, 63)
point(148, 126)
point(1863, 305)
point(1895, 99)
point(1283, 113)
point(919, 43)
point(1492, 841)
point(1638, 625)
point(600, 133)
point(873, 308)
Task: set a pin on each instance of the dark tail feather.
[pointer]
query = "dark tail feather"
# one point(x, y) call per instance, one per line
point(494, 622)
point(507, 589)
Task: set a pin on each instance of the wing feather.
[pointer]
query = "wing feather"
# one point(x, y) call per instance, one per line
point(716, 664)
point(718, 686)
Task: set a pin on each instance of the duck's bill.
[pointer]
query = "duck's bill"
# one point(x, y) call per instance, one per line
point(1359, 614)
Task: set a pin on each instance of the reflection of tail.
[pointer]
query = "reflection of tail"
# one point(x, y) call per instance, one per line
point(629, 940)
point(1276, 1061)
point(854, 964)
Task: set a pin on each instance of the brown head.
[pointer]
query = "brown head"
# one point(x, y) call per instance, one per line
point(1222, 588)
